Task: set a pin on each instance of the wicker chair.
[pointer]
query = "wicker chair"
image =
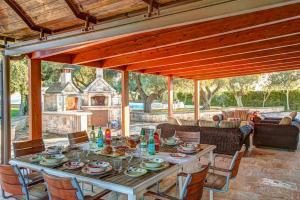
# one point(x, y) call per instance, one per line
point(218, 179)
point(192, 188)
point(13, 182)
point(67, 189)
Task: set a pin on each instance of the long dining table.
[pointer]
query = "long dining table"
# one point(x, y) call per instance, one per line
point(133, 187)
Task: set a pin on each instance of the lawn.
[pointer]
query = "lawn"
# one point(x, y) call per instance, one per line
point(14, 112)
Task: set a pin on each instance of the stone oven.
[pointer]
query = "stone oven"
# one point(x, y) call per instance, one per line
point(102, 100)
point(63, 95)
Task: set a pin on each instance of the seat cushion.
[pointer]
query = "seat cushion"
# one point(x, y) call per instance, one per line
point(215, 181)
point(286, 121)
point(293, 115)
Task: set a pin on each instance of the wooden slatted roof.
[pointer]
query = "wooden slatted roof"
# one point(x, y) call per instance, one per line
point(257, 42)
point(23, 19)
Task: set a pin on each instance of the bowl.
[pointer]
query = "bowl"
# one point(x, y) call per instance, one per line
point(53, 150)
point(171, 140)
point(154, 162)
point(96, 167)
point(51, 159)
point(188, 147)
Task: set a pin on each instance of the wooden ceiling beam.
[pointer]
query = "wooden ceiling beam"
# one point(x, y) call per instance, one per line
point(244, 73)
point(6, 38)
point(273, 44)
point(251, 56)
point(79, 14)
point(258, 60)
point(187, 33)
point(227, 68)
point(26, 18)
point(263, 33)
point(153, 3)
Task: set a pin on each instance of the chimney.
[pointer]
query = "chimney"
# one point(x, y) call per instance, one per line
point(66, 76)
point(99, 73)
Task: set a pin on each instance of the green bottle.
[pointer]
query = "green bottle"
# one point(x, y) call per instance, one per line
point(93, 135)
point(100, 137)
point(151, 144)
point(143, 143)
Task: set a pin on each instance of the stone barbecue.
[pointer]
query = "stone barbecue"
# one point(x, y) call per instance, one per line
point(67, 109)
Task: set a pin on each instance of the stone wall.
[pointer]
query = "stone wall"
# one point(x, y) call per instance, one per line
point(65, 122)
point(138, 116)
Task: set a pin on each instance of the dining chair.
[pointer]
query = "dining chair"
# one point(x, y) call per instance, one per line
point(67, 189)
point(78, 138)
point(28, 147)
point(22, 148)
point(192, 188)
point(218, 179)
point(14, 183)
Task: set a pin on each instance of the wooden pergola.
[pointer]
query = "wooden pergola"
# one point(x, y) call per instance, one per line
point(194, 41)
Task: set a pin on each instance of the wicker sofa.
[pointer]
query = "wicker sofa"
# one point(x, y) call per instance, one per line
point(227, 140)
point(268, 132)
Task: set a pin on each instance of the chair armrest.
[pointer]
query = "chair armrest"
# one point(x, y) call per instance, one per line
point(159, 196)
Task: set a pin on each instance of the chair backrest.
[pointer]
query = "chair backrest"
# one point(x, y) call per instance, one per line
point(78, 137)
point(23, 148)
point(188, 137)
point(12, 181)
point(193, 186)
point(62, 188)
point(235, 163)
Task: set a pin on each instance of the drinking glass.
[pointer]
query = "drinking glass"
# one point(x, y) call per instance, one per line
point(117, 165)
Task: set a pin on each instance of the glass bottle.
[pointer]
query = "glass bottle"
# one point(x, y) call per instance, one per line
point(93, 135)
point(143, 144)
point(100, 137)
point(151, 144)
point(156, 141)
point(107, 136)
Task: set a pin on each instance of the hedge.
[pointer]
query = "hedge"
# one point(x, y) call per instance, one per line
point(252, 99)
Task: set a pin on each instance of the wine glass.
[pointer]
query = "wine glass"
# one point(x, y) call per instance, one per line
point(117, 165)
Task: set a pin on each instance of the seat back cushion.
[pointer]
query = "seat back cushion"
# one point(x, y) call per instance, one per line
point(286, 121)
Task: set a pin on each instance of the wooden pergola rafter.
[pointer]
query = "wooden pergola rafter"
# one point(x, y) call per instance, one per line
point(27, 19)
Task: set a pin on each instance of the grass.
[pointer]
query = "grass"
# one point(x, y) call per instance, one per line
point(14, 112)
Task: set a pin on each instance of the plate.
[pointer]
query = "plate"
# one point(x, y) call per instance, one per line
point(153, 162)
point(178, 155)
point(85, 171)
point(135, 172)
point(42, 162)
point(188, 152)
point(111, 154)
point(35, 158)
point(165, 165)
point(68, 166)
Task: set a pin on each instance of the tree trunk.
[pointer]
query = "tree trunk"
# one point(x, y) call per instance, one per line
point(287, 100)
point(238, 100)
point(147, 103)
point(266, 97)
point(206, 105)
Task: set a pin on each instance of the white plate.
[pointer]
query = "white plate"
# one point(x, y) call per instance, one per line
point(165, 165)
point(85, 171)
point(188, 152)
point(135, 172)
point(68, 166)
point(42, 162)
point(178, 155)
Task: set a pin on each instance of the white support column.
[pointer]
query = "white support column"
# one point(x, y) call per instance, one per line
point(5, 112)
point(197, 99)
point(125, 104)
point(170, 96)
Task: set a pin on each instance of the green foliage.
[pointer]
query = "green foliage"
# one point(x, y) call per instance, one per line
point(83, 76)
point(113, 78)
point(50, 73)
point(255, 99)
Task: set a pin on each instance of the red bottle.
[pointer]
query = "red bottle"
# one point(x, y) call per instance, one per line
point(156, 141)
point(108, 137)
